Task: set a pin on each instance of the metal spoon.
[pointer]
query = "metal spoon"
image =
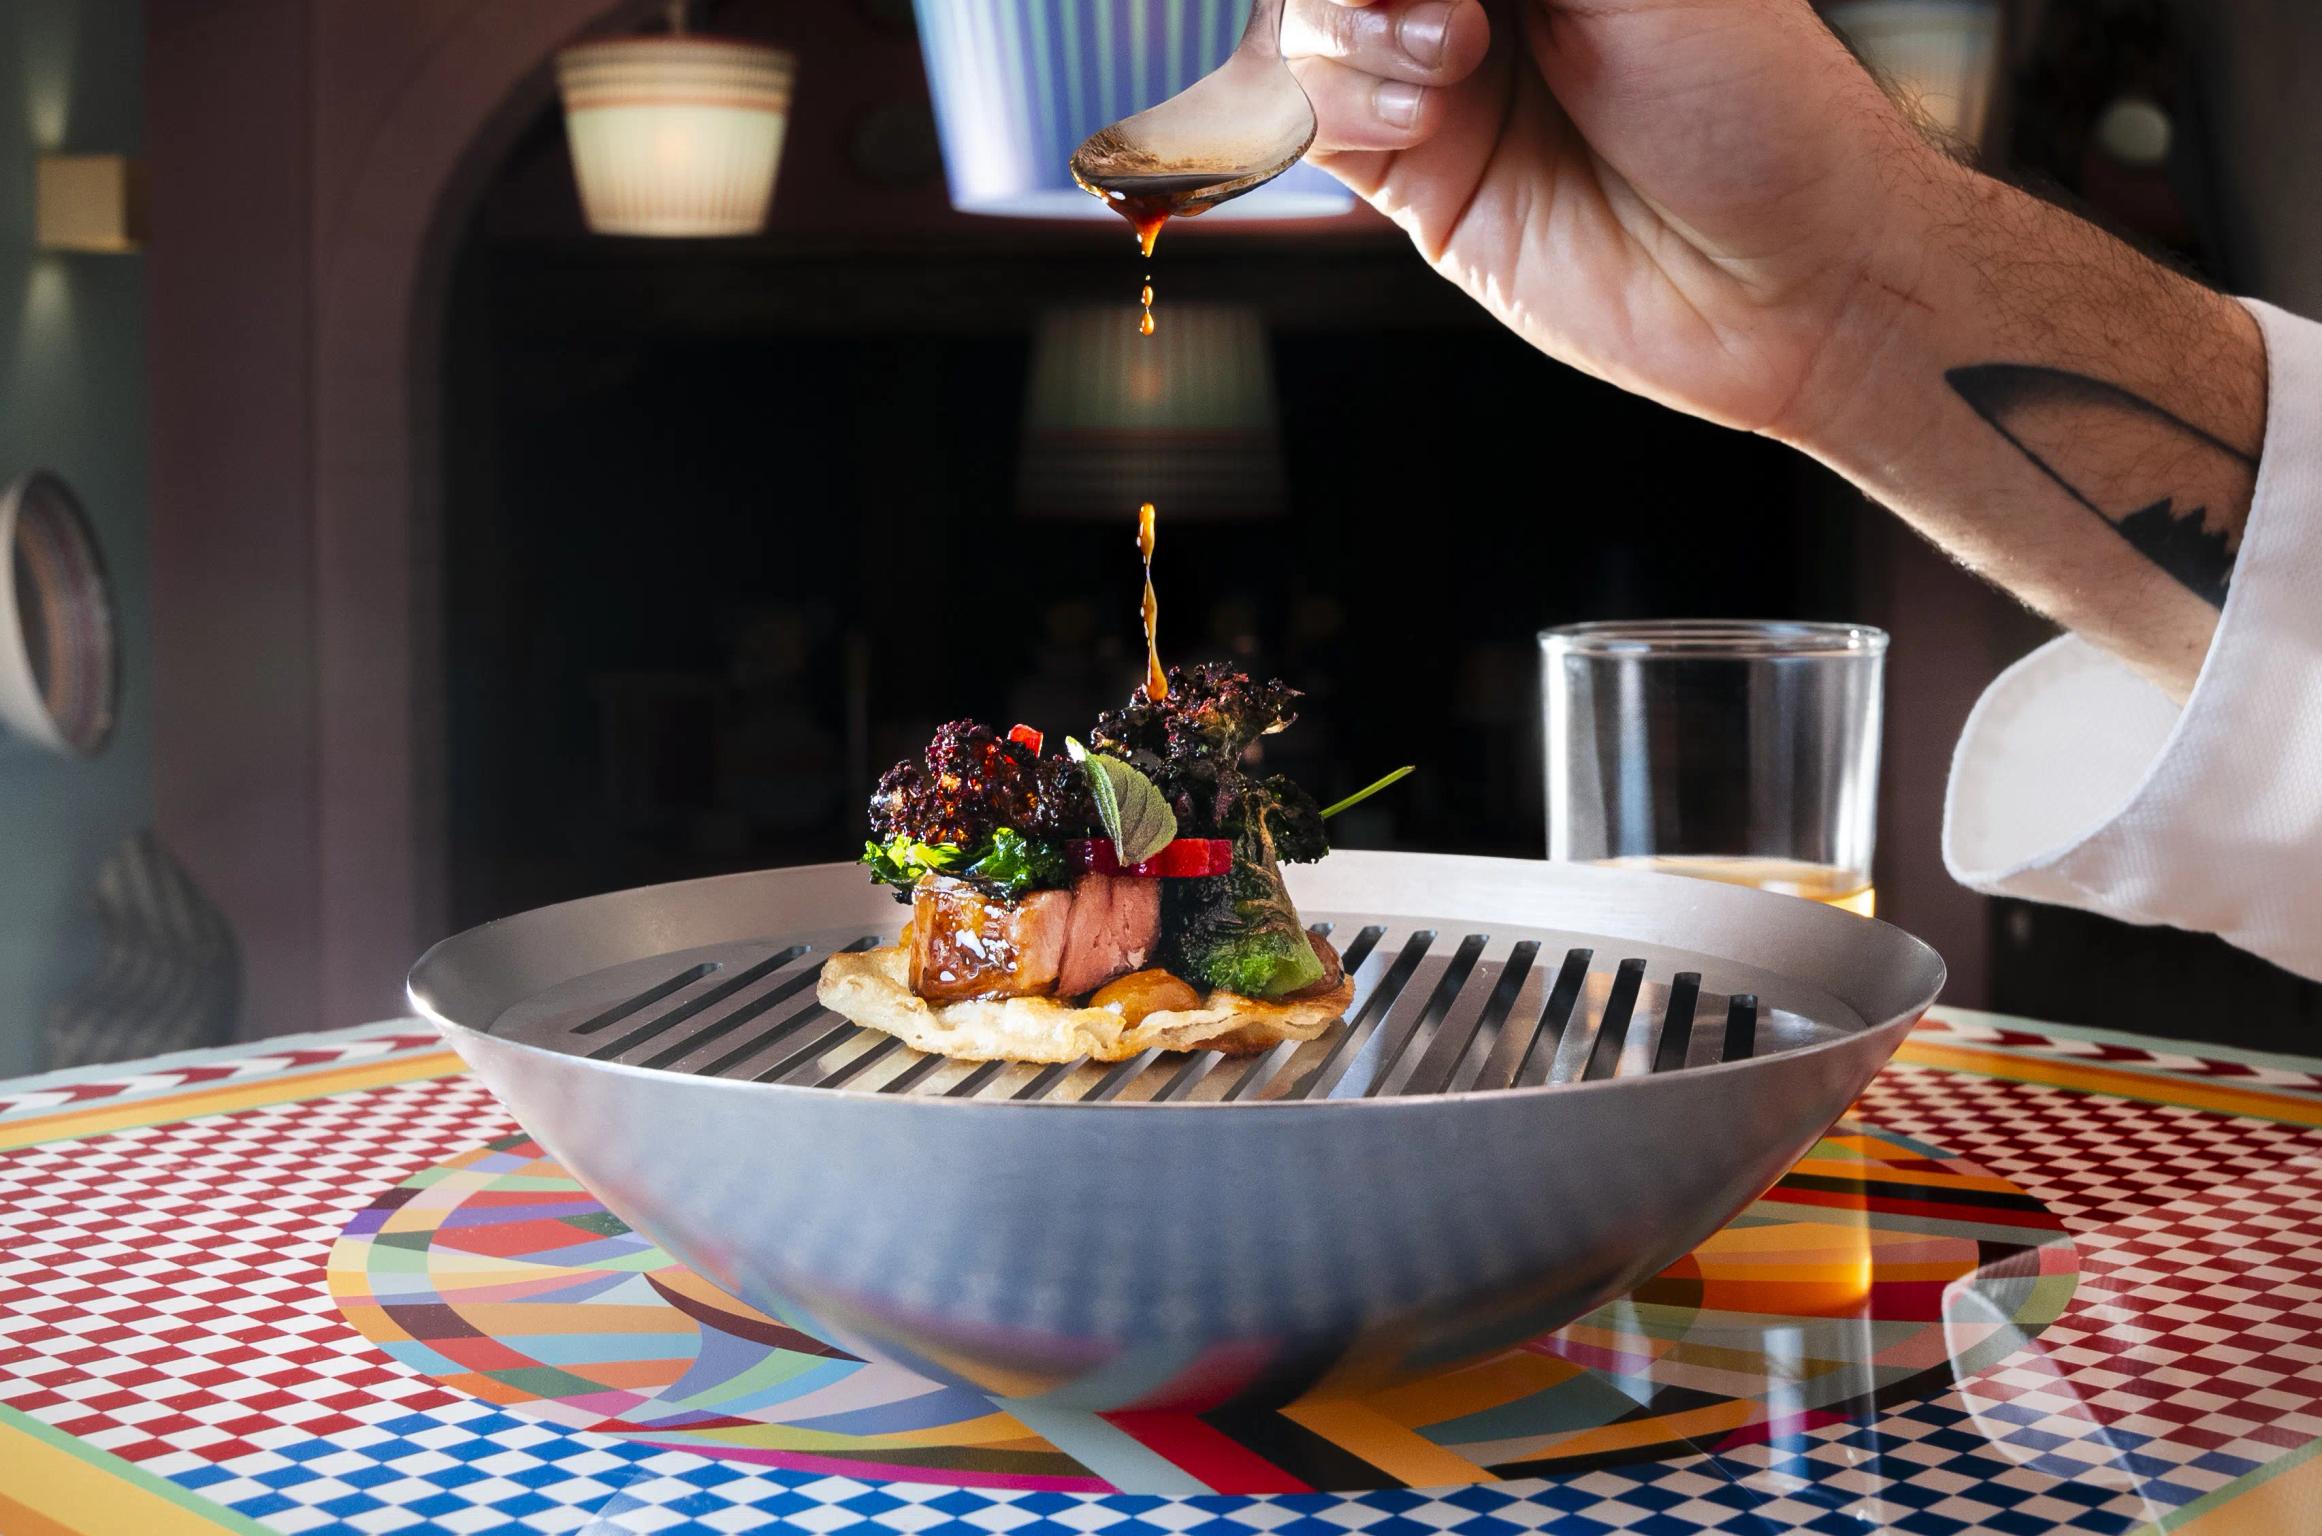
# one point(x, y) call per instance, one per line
point(1237, 127)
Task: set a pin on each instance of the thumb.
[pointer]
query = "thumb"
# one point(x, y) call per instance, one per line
point(1377, 71)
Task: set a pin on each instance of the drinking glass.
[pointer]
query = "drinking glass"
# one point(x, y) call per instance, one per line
point(1724, 749)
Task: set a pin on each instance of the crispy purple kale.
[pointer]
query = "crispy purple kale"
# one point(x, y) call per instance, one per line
point(1191, 745)
point(1213, 712)
point(971, 782)
point(1293, 818)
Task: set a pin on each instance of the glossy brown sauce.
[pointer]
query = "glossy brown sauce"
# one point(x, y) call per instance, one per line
point(1148, 202)
point(1156, 681)
point(1148, 230)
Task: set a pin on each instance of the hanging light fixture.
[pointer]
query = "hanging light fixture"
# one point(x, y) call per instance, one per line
point(675, 136)
point(1939, 57)
point(1183, 418)
point(1019, 83)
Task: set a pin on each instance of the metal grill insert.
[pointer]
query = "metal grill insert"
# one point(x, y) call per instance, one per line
point(1445, 1009)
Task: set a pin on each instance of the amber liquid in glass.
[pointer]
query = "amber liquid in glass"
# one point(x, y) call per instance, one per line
point(1787, 877)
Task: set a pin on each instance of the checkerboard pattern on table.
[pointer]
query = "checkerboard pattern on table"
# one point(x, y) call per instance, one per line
point(162, 1294)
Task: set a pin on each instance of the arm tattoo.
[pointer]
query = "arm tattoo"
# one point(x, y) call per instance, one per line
point(2126, 460)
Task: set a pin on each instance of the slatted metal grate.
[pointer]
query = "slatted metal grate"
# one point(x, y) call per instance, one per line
point(1442, 1009)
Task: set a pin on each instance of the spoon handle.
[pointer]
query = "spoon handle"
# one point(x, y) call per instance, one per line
point(1262, 33)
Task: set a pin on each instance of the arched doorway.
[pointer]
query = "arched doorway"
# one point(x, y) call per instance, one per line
point(295, 292)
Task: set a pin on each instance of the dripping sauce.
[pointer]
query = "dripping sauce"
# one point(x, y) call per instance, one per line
point(1148, 202)
point(1156, 681)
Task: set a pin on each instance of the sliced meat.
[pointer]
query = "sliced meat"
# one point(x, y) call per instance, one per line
point(965, 943)
point(1116, 922)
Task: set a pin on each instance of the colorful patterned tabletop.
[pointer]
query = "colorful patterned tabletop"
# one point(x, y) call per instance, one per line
point(2042, 1280)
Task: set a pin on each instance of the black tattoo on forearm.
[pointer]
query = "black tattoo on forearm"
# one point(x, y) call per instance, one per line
point(2175, 492)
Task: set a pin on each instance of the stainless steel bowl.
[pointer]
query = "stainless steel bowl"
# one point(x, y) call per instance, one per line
point(1554, 1082)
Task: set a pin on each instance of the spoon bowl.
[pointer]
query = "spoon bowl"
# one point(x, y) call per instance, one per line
point(1236, 128)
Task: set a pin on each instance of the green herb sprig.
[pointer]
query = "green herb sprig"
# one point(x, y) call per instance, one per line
point(1132, 810)
point(1368, 790)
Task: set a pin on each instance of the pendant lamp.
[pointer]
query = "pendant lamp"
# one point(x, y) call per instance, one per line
point(676, 136)
point(1941, 57)
point(1183, 418)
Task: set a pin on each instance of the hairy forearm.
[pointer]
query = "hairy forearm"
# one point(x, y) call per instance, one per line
point(2071, 420)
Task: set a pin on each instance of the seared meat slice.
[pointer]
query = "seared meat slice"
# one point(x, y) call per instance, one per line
point(1116, 922)
point(965, 943)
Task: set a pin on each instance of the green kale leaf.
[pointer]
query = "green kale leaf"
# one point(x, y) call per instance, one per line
point(1007, 863)
point(902, 860)
point(1012, 864)
point(1240, 930)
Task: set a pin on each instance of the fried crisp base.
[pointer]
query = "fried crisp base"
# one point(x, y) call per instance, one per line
point(873, 988)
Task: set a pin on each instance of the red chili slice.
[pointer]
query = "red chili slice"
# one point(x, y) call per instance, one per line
point(1024, 735)
point(1188, 858)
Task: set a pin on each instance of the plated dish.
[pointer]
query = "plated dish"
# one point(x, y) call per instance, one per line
point(1104, 899)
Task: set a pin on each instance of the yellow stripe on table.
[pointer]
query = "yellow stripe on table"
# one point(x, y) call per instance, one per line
point(1505, 1379)
point(2279, 1498)
point(1397, 1451)
point(224, 1098)
point(2113, 1082)
point(58, 1487)
point(1866, 1171)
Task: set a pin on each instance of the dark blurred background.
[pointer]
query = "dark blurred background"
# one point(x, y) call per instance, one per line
point(471, 560)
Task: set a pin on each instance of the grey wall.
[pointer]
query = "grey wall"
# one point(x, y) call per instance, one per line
point(72, 399)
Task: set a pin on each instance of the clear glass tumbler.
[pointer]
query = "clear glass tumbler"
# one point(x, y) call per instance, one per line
point(1723, 749)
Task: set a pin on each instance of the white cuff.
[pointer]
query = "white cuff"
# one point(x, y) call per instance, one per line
point(2078, 782)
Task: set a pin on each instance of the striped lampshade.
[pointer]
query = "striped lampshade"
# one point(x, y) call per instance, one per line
point(1941, 57)
point(59, 657)
point(675, 136)
point(1019, 83)
point(1183, 418)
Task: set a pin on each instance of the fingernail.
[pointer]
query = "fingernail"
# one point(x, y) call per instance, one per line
point(1420, 31)
point(1396, 102)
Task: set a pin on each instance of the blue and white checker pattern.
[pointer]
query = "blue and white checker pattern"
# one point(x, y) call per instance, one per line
point(1926, 1470)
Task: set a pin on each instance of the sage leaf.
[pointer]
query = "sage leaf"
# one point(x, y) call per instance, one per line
point(1133, 811)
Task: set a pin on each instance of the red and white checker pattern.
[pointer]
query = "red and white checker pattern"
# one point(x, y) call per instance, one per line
point(2199, 1304)
point(162, 1289)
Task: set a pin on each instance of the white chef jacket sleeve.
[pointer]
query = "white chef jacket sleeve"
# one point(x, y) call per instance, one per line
point(2078, 782)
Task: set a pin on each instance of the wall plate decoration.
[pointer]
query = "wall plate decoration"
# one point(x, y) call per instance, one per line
point(60, 678)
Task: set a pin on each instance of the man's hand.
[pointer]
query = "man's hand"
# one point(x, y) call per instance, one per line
point(1710, 203)
point(1681, 196)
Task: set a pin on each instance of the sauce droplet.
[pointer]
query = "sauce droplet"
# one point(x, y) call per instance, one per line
point(1146, 216)
point(1156, 680)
